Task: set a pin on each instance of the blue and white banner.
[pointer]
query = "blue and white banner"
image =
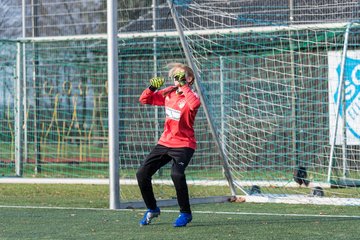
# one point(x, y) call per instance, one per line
point(352, 96)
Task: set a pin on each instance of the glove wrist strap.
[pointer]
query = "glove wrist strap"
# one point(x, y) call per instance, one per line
point(152, 88)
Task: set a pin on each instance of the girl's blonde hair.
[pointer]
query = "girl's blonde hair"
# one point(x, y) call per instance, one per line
point(174, 68)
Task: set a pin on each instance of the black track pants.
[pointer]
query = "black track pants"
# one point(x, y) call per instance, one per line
point(157, 158)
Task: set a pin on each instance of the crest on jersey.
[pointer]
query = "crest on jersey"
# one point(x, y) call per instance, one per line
point(182, 103)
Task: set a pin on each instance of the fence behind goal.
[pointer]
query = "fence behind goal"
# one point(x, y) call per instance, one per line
point(65, 124)
point(271, 89)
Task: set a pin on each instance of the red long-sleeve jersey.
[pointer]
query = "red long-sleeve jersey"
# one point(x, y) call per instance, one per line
point(180, 112)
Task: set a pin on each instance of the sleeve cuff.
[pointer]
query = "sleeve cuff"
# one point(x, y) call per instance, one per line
point(152, 88)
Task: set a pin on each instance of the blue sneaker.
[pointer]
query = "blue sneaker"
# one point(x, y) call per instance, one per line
point(149, 215)
point(182, 220)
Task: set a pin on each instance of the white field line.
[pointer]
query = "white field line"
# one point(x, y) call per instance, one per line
point(195, 212)
point(155, 181)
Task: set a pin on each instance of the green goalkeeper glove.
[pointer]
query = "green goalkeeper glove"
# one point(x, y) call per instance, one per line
point(157, 82)
point(181, 78)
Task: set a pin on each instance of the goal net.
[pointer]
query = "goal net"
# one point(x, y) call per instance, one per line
point(283, 92)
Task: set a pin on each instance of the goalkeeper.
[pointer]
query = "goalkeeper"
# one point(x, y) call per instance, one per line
point(176, 144)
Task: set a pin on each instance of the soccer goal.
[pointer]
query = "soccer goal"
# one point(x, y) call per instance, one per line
point(282, 95)
point(279, 85)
